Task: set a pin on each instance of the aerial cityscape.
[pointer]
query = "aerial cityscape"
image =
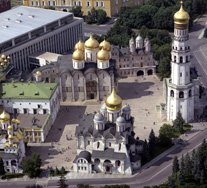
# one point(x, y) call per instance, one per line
point(103, 94)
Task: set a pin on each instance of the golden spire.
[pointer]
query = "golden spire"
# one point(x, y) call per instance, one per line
point(78, 55)
point(103, 55)
point(113, 101)
point(80, 46)
point(181, 16)
point(4, 116)
point(91, 43)
point(105, 45)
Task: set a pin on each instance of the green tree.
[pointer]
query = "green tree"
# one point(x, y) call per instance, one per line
point(164, 68)
point(175, 167)
point(62, 170)
point(152, 143)
point(62, 182)
point(188, 166)
point(145, 153)
point(77, 11)
point(2, 171)
point(179, 122)
point(31, 165)
point(101, 16)
point(166, 133)
point(91, 17)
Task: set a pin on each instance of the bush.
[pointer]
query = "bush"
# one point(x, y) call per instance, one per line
point(10, 176)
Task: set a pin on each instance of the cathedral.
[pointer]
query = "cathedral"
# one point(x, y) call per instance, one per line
point(12, 147)
point(180, 87)
point(90, 75)
point(105, 140)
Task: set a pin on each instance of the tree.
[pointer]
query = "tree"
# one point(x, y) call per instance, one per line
point(77, 11)
point(91, 17)
point(166, 133)
point(62, 182)
point(101, 16)
point(175, 167)
point(152, 143)
point(145, 153)
point(31, 165)
point(62, 170)
point(179, 122)
point(2, 171)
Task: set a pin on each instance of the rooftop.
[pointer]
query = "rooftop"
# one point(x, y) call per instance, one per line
point(20, 20)
point(33, 90)
point(48, 56)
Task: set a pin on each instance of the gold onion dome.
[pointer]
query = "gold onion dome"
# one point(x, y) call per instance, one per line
point(78, 55)
point(91, 43)
point(181, 16)
point(3, 56)
point(4, 116)
point(113, 101)
point(38, 73)
point(79, 46)
point(10, 136)
point(103, 55)
point(10, 127)
point(105, 45)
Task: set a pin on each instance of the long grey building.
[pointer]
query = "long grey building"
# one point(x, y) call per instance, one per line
point(28, 30)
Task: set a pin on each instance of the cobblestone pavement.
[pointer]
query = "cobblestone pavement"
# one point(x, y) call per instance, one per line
point(142, 94)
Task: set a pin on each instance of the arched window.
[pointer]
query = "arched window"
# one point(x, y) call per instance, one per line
point(190, 93)
point(174, 58)
point(172, 93)
point(186, 58)
point(117, 162)
point(181, 59)
point(181, 94)
point(98, 144)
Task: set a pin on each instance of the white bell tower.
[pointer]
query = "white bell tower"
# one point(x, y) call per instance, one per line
point(180, 88)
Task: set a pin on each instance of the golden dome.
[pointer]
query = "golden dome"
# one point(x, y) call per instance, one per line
point(3, 56)
point(103, 55)
point(181, 17)
point(105, 45)
point(113, 101)
point(4, 116)
point(10, 136)
point(10, 127)
point(17, 121)
point(91, 43)
point(38, 73)
point(78, 55)
point(80, 46)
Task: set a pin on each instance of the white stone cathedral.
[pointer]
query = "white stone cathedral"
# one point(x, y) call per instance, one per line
point(180, 89)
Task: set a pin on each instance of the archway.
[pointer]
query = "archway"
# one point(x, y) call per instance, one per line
point(108, 166)
point(150, 72)
point(91, 90)
point(140, 73)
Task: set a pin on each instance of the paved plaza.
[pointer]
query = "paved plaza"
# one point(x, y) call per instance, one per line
point(142, 94)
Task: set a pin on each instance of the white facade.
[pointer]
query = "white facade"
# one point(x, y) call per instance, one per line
point(180, 91)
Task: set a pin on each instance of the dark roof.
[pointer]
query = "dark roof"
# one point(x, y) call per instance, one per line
point(85, 155)
point(108, 154)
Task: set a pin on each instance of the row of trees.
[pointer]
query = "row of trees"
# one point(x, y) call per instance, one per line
point(159, 13)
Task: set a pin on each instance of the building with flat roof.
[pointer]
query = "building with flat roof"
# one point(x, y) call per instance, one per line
point(28, 30)
point(35, 104)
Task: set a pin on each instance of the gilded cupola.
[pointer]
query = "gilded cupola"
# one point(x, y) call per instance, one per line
point(78, 55)
point(91, 43)
point(4, 116)
point(103, 55)
point(79, 46)
point(181, 17)
point(113, 101)
point(105, 45)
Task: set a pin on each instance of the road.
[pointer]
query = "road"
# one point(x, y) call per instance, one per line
point(153, 175)
point(96, 29)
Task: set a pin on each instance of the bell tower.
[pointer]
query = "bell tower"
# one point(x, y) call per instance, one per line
point(180, 88)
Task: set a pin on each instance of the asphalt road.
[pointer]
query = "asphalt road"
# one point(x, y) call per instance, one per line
point(155, 174)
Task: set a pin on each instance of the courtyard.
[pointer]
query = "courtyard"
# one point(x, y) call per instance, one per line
point(143, 94)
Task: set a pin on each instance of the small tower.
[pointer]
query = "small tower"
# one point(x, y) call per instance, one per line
point(126, 112)
point(132, 47)
point(113, 105)
point(91, 49)
point(103, 57)
point(147, 45)
point(98, 120)
point(120, 124)
point(15, 123)
point(38, 76)
point(4, 120)
point(139, 42)
point(10, 138)
point(78, 59)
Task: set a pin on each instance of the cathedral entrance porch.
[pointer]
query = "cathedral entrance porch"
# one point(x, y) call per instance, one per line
point(107, 166)
point(91, 90)
point(140, 73)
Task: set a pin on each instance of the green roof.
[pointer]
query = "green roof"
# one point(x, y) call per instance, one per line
point(33, 90)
